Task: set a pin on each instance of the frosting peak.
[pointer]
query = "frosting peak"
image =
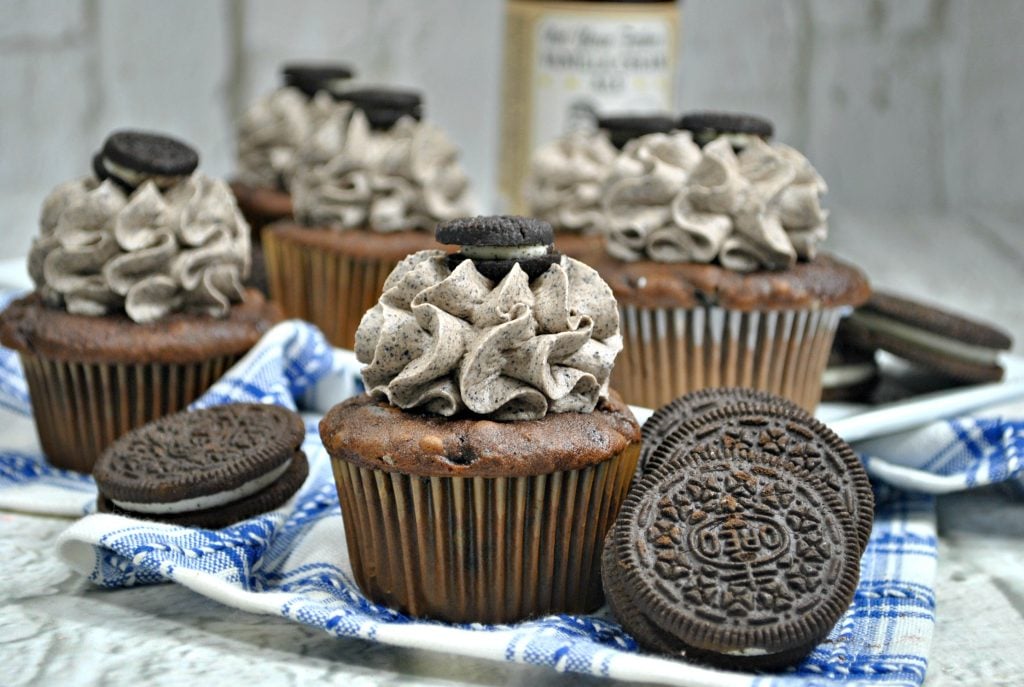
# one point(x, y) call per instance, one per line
point(350, 176)
point(150, 253)
point(449, 341)
point(756, 210)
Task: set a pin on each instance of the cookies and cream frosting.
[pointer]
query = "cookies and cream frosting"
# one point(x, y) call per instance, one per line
point(407, 177)
point(450, 340)
point(272, 130)
point(566, 179)
point(760, 209)
point(150, 253)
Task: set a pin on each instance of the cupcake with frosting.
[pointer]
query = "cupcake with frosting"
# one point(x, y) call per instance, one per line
point(139, 305)
point(371, 184)
point(567, 177)
point(715, 260)
point(479, 473)
point(271, 132)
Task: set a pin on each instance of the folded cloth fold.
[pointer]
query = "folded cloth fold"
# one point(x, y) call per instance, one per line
point(293, 563)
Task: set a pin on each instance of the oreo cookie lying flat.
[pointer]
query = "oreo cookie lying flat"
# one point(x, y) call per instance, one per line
point(385, 106)
point(691, 406)
point(788, 433)
point(497, 243)
point(205, 468)
point(624, 128)
point(310, 77)
point(708, 125)
point(954, 345)
point(740, 560)
point(133, 157)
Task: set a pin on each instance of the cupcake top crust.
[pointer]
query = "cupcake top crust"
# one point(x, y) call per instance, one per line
point(147, 236)
point(372, 165)
point(446, 339)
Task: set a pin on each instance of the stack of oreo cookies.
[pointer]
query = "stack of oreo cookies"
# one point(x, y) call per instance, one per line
point(739, 545)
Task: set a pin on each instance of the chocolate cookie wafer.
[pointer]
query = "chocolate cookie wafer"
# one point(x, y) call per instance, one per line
point(496, 244)
point(205, 468)
point(737, 559)
point(788, 433)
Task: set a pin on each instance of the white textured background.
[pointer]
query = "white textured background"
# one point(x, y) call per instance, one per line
point(908, 107)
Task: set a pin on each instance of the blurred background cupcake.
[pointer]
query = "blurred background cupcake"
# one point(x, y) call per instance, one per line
point(713, 257)
point(269, 136)
point(370, 185)
point(481, 471)
point(139, 305)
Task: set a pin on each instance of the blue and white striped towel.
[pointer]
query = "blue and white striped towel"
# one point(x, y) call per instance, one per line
point(293, 562)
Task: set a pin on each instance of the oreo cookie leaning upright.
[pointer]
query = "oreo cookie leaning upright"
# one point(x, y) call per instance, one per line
point(624, 128)
point(205, 468)
point(737, 127)
point(311, 77)
point(131, 158)
point(497, 243)
point(383, 107)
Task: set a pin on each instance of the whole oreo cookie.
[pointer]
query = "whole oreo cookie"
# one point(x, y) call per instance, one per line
point(205, 468)
point(786, 432)
point(689, 407)
point(624, 128)
point(707, 126)
point(385, 106)
point(310, 77)
point(737, 559)
point(497, 243)
point(133, 157)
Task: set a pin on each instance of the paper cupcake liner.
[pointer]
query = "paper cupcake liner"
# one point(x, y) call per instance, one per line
point(81, 408)
point(475, 549)
point(670, 351)
point(322, 285)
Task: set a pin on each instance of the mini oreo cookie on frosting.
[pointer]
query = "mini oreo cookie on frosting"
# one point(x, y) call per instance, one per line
point(383, 107)
point(737, 127)
point(624, 128)
point(497, 243)
point(311, 77)
point(131, 158)
point(205, 468)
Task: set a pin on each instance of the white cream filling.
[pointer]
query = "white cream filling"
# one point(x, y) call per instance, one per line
point(221, 498)
point(749, 651)
point(503, 252)
point(847, 375)
point(937, 343)
point(135, 177)
point(337, 85)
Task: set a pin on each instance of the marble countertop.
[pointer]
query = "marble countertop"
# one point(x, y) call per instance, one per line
point(56, 629)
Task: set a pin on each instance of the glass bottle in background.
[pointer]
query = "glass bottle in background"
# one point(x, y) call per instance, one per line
point(566, 62)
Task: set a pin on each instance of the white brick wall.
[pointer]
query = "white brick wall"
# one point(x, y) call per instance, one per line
point(904, 105)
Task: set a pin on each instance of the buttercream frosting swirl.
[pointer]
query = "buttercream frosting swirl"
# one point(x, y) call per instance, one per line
point(273, 129)
point(149, 254)
point(407, 177)
point(758, 210)
point(447, 341)
point(566, 179)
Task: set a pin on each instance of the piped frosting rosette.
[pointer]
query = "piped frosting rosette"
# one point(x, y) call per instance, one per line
point(150, 253)
point(757, 210)
point(274, 128)
point(450, 340)
point(406, 177)
point(566, 180)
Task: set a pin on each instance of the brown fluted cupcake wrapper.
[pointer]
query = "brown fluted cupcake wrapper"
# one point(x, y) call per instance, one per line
point(668, 352)
point(476, 549)
point(81, 408)
point(323, 285)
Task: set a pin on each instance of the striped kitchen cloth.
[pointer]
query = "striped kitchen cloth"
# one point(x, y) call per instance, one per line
point(293, 562)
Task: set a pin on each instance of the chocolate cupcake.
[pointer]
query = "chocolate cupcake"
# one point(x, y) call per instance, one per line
point(481, 471)
point(567, 178)
point(371, 184)
point(139, 305)
point(714, 260)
